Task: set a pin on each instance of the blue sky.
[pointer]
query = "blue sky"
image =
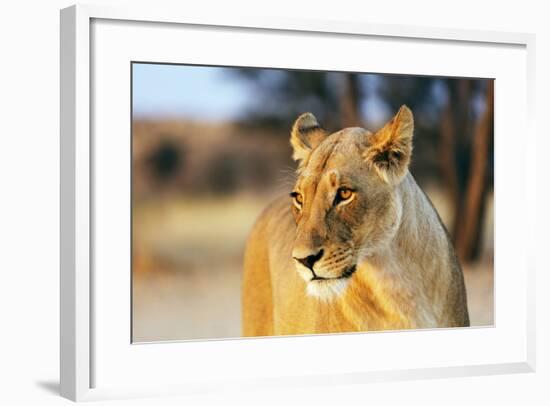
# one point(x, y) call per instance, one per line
point(201, 93)
point(218, 94)
point(188, 92)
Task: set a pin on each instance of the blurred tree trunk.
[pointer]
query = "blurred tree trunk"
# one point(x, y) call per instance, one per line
point(469, 227)
point(454, 146)
point(349, 101)
point(464, 152)
point(447, 153)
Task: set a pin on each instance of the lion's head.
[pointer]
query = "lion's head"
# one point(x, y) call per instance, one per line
point(346, 200)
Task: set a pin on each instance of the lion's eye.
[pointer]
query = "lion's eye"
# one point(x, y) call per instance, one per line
point(343, 194)
point(298, 199)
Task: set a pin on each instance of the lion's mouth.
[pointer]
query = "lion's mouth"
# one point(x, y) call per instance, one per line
point(348, 272)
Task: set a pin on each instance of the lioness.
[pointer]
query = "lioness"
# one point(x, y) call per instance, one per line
point(357, 247)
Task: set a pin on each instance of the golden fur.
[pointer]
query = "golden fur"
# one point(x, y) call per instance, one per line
point(358, 247)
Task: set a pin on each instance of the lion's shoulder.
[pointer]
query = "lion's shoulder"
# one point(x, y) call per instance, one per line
point(275, 219)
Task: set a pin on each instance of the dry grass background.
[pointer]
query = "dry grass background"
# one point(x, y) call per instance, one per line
point(187, 266)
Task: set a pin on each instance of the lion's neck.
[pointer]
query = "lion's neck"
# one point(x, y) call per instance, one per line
point(393, 287)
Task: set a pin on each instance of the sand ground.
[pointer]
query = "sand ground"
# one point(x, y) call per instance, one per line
point(178, 306)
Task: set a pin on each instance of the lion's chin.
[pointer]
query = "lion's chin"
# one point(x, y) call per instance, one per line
point(327, 289)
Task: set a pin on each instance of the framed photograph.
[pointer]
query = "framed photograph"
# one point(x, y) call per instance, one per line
point(267, 203)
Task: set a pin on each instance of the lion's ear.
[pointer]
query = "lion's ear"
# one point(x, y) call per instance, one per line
point(305, 136)
point(389, 149)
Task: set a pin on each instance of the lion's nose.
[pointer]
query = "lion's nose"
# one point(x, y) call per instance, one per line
point(310, 260)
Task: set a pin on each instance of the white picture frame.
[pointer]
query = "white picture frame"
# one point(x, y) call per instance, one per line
point(79, 349)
